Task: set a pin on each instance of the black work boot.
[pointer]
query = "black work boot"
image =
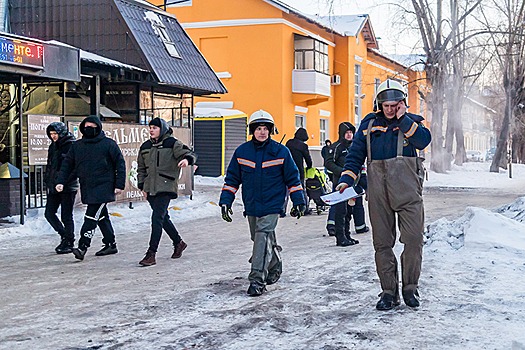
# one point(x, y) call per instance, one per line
point(343, 241)
point(411, 298)
point(387, 302)
point(107, 249)
point(363, 230)
point(255, 289)
point(331, 230)
point(149, 259)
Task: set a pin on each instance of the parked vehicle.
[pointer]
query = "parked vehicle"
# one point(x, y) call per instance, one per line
point(474, 156)
point(490, 154)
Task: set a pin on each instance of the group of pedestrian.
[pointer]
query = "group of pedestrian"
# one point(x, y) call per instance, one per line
point(268, 172)
point(96, 162)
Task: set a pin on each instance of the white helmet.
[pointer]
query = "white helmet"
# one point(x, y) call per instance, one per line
point(261, 117)
point(389, 90)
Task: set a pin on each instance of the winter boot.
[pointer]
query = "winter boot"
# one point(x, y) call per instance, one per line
point(107, 249)
point(256, 289)
point(65, 247)
point(179, 248)
point(273, 276)
point(331, 230)
point(362, 230)
point(342, 241)
point(350, 239)
point(411, 298)
point(149, 259)
point(387, 302)
point(79, 252)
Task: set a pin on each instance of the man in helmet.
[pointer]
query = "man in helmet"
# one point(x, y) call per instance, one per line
point(266, 170)
point(389, 140)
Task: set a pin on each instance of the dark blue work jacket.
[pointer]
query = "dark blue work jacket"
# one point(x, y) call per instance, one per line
point(265, 172)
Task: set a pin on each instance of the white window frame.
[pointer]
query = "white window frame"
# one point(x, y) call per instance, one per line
point(358, 110)
point(324, 125)
point(300, 121)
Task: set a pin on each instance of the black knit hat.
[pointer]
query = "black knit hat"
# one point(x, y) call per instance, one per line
point(156, 121)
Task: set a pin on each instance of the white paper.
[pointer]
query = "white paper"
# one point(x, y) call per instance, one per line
point(337, 197)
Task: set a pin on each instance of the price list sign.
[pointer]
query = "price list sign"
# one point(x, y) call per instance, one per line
point(21, 52)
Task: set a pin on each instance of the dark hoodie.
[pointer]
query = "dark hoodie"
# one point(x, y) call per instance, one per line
point(55, 155)
point(98, 162)
point(335, 159)
point(299, 150)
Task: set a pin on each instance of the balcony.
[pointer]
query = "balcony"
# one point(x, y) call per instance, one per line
point(314, 85)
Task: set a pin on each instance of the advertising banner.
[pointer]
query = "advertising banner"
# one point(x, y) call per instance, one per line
point(129, 138)
point(37, 140)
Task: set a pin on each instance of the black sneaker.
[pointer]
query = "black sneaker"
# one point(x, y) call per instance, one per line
point(65, 247)
point(107, 249)
point(411, 298)
point(255, 289)
point(387, 302)
point(79, 253)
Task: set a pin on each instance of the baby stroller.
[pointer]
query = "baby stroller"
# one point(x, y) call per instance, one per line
point(316, 186)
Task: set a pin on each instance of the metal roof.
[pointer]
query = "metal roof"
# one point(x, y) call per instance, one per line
point(191, 71)
point(123, 31)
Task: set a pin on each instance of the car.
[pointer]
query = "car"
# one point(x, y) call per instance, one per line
point(474, 156)
point(490, 154)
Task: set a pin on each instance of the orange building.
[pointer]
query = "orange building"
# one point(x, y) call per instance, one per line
point(305, 71)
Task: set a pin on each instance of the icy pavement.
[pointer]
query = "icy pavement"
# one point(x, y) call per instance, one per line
point(472, 286)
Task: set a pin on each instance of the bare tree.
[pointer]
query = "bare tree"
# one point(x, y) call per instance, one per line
point(508, 40)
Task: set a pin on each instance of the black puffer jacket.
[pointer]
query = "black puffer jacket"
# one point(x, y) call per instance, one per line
point(55, 155)
point(99, 164)
point(299, 150)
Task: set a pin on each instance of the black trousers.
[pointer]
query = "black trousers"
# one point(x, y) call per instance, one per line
point(96, 215)
point(160, 219)
point(65, 227)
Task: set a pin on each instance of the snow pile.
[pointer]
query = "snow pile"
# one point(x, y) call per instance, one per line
point(502, 229)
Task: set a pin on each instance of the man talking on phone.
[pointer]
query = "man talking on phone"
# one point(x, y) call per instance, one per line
point(389, 140)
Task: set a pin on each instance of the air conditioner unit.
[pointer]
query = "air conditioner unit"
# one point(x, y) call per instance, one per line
point(336, 79)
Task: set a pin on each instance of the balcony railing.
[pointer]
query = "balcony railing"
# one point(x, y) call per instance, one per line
point(310, 82)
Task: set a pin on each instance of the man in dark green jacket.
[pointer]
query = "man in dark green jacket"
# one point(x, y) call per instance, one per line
point(160, 161)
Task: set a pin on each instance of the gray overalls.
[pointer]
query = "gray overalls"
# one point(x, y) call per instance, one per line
point(395, 187)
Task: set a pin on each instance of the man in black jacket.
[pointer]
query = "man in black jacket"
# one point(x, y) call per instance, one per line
point(65, 227)
point(100, 166)
point(341, 214)
point(299, 150)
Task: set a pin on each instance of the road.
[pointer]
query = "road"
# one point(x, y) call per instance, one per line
point(325, 299)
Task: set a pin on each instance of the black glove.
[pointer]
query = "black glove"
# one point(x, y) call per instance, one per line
point(226, 211)
point(298, 210)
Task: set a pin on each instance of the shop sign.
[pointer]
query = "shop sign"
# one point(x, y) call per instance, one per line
point(21, 52)
point(37, 140)
point(129, 137)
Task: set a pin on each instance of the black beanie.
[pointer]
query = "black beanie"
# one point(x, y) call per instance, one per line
point(156, 122)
